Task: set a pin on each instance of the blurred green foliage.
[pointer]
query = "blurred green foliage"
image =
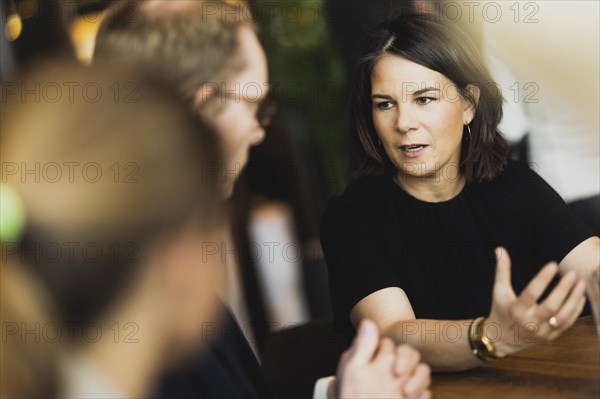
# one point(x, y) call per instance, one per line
point(307, 78)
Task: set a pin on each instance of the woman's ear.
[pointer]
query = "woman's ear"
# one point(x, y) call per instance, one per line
point(471, 106)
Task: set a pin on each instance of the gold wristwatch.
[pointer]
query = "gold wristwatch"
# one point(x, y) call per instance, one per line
point(481, 345)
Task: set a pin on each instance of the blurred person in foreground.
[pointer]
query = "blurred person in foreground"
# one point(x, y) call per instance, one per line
point(203, 53)
point(28, 365)
point(421, 240)
point(120, 256)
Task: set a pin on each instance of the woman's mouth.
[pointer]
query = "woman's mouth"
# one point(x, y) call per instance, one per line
point(413, 150)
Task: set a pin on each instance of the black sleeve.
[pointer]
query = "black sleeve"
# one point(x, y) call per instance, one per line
point(556, 229)
point(355, 258)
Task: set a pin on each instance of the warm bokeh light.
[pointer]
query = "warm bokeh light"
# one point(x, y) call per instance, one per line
point(14, 27)
point(83, 35)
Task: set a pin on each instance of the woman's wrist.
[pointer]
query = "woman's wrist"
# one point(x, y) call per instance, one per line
point(502, 348)
point(485, 347)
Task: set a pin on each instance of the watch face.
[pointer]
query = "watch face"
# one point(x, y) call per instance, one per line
point(488, 344)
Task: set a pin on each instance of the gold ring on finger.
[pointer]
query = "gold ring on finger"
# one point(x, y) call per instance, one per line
point(553, 322)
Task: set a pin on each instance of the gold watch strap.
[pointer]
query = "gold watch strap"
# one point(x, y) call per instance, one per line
point(481, 345)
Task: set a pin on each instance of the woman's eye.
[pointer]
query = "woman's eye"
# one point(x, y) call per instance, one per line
point(385, 105)
point(425, 100)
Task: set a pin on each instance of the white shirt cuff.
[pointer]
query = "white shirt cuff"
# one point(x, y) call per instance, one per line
point(321, 387)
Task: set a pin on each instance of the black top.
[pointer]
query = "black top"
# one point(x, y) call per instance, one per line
point(441, 254)
point(226, 368)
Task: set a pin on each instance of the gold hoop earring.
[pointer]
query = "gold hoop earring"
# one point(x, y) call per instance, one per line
point(469, 130)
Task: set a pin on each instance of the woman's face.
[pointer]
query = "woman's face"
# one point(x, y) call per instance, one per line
point(419, 116)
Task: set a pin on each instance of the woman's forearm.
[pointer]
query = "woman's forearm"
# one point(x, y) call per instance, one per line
point(444, 344)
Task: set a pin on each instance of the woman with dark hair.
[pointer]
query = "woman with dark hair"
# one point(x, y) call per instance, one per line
point(417, 242)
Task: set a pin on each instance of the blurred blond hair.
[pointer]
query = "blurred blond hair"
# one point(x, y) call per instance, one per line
point(188, 43)
point(151, 161)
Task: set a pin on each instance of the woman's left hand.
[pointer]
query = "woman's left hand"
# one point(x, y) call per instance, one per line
point(522, 321)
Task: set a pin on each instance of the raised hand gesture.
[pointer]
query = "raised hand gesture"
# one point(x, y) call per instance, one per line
point(522, 320)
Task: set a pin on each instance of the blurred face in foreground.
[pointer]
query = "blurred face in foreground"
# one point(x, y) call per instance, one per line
point(236, 120)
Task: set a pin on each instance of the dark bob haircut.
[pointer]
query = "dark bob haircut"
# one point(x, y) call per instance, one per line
point(441, 46)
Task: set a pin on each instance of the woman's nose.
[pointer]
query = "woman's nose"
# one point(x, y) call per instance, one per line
point(406, 119)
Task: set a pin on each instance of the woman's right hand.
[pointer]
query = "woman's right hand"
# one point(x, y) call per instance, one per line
point(520, 321)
